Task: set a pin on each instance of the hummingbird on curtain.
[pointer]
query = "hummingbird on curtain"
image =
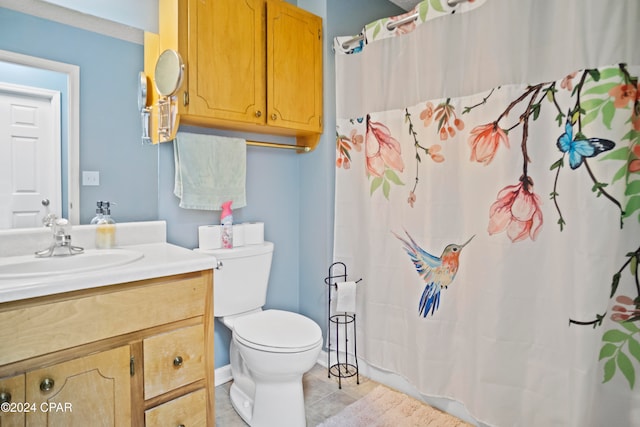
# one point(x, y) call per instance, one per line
point(436, 272)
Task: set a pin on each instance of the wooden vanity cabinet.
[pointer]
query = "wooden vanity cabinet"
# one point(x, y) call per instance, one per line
point(251, 65)
point(138, 353)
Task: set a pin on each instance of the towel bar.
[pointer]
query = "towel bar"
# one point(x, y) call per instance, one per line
point(278, 145)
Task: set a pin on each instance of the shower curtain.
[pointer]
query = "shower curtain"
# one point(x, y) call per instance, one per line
point(488, 195)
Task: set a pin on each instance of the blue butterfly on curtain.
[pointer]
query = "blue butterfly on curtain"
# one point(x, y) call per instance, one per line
point(579, 149)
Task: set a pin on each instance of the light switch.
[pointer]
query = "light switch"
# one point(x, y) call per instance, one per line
point(90, 178)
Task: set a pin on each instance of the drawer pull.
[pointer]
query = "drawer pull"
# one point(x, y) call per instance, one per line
point(258, 113)
point(274, 116)
point(5, 397)
point(46, 384)
point(180, 425)
point(177, 362)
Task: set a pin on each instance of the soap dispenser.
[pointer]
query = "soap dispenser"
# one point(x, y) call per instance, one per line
point(106, 229)
point(99, 213)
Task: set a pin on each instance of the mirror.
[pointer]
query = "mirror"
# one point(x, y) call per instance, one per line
point(106, 123)
point(22, 76)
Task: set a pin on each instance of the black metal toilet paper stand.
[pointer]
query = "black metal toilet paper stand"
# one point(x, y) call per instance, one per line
point(343, 368)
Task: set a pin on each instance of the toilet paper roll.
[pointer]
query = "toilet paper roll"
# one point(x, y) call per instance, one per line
point(253, 233)
point(238, 235)
point(346, 297)
point(209, 236)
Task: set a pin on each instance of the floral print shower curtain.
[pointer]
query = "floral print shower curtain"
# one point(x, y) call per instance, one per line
point(491, 205)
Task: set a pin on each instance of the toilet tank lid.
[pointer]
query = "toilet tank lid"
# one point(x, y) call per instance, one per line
point(239, 252)
point(278, 329)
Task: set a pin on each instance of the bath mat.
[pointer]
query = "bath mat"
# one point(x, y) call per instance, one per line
point(384, 407)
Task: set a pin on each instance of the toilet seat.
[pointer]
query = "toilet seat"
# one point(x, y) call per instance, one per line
point(277, 331)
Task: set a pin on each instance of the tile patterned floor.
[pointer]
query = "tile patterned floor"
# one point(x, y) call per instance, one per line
point(322, 397)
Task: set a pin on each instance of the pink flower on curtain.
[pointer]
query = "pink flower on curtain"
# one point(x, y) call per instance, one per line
point(381, 149)
point(426, 115)
point(484, 141)
point(623, 94)
point(567, 82)
point(625, 309)
point(517, 210)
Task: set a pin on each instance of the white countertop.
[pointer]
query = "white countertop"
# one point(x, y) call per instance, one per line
point(160, 259)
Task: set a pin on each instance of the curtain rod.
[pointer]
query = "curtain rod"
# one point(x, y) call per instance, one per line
point(278, 145)
point(391, 25)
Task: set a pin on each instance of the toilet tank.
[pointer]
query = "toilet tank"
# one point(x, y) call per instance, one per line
point(240, 283)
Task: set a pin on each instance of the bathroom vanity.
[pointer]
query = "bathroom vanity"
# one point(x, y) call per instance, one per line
point(126, 345)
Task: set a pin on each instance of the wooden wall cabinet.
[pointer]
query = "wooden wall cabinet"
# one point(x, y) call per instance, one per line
point(132, 354)
point(251, 65)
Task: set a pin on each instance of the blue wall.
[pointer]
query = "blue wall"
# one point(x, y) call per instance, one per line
point(292, 193)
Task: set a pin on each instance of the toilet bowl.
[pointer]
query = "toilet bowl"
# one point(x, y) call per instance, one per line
point(270, 350)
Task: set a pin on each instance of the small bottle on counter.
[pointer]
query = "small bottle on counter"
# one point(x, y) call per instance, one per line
point(226, 220)
point(106, 229)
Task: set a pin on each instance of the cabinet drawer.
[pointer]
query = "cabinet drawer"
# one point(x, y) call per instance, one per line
point(189, 410)
point(173, 359)
point(103, 313)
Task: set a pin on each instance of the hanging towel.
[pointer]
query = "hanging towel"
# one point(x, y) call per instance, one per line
point(210, 170)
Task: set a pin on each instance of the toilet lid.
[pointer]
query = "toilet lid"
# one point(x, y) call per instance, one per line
point(277, 330)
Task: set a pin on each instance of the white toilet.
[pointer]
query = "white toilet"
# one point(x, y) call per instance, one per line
point(270, 349)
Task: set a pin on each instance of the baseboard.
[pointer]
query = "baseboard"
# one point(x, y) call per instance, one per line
point(223, 375)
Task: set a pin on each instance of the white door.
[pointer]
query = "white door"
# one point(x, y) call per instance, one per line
point(29, 155)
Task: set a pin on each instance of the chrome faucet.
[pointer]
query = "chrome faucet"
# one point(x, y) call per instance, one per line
point(61, 239)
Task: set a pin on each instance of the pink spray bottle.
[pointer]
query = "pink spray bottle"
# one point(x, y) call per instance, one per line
point(226, 220)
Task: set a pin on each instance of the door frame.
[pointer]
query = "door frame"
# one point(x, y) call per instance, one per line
point(73, 124)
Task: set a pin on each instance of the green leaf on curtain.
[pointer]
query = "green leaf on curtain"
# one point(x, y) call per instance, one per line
point(614, 335)
point(393, 177)
point(625, 365)
point(423, 10)
point(590, 116)
point(386, 188)
point(375, 183)
point(619, 154)
point(590, 104)
point(632, 188)
point(607, 350)
point(609, 369)
point(600, 89)
point(633, 204)
point(557, 164)
point(622, 172)
point(633, 266)
point(634, 348)
point(608, 110)
point(437, 6)
point(607, 73)
point(630, 326)
point(595, 74)
point(614, 284)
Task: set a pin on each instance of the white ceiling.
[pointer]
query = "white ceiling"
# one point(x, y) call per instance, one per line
point(406, 4)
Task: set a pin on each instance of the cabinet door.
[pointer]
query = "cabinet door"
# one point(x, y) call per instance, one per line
point(12, 393)
point(294, 67)
point(89, 391)
point(226, 60)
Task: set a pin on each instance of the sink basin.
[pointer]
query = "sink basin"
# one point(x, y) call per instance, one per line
point(22, 267)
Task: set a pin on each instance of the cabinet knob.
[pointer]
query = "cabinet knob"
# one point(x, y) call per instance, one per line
point(46, 384)
point(177, 362)
point(5, 397)
point(274, 116)
point(180, 425)
point(258, 113)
